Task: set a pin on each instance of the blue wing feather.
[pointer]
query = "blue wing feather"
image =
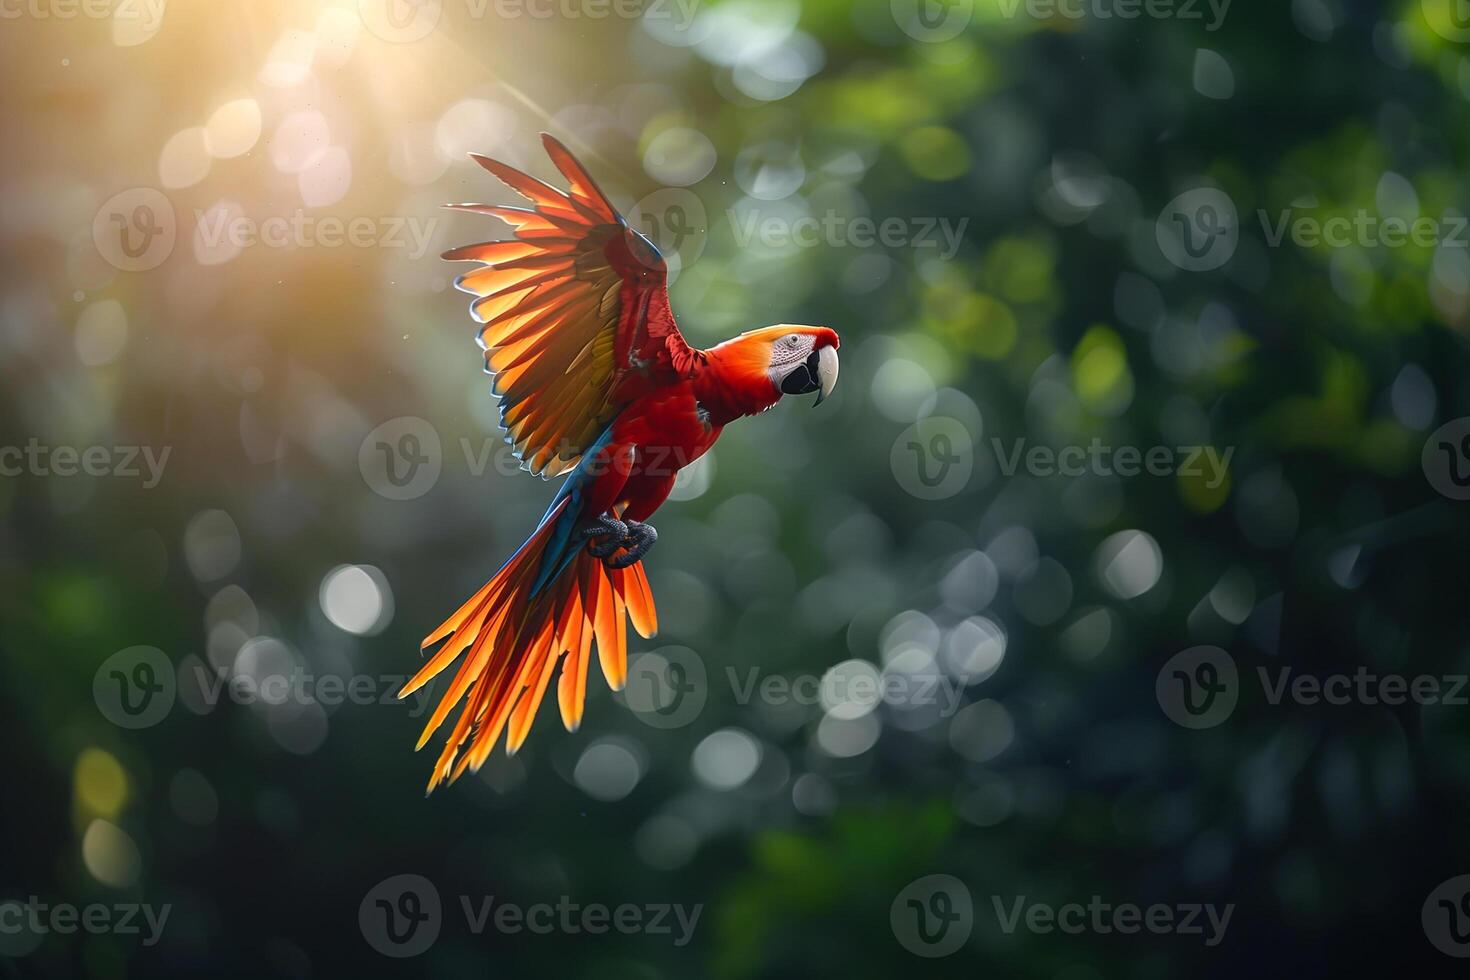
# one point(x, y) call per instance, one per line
point(560, 548)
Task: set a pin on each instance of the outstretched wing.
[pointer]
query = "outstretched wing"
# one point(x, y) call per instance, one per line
point(575, 313)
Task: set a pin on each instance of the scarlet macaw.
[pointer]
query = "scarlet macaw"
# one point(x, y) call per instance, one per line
point(593, 378)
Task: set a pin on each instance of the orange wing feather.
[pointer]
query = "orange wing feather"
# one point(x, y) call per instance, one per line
point(557, 335)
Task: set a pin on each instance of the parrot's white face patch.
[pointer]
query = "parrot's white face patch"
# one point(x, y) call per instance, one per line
point(788, 351)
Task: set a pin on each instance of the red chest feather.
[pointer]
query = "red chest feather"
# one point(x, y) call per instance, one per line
point(670, 421)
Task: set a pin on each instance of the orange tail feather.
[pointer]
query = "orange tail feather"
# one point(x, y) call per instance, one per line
point(514, 642)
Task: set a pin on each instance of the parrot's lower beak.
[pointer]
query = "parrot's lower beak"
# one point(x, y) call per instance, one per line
point(826, 373)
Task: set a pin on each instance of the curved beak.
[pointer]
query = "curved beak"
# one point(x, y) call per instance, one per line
point(826, 373)
point(817, 373)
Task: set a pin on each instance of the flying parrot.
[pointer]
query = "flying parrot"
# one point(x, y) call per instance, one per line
point(595, 381)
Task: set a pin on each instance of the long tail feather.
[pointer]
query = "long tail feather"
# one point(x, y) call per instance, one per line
point(512, 637)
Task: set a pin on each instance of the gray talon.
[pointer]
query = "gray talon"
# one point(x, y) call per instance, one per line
point(605, 536)
point(640, 539)
point(604, 549)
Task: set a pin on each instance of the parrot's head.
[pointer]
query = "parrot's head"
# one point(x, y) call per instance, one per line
point(796, 359)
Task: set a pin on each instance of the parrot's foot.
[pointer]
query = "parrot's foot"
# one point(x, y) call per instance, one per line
point(639, 541)
point(605, 536)
point(619, 543)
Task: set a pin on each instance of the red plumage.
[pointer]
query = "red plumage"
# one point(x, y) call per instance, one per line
point(595, 379)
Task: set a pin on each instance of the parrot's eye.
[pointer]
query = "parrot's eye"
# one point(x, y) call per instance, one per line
point(793, 340)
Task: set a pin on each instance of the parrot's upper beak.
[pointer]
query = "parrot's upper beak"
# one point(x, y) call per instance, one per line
point(826, 373)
